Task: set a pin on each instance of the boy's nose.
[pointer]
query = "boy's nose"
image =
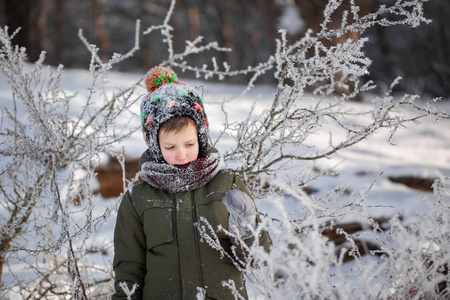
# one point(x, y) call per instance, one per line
point(181, 155)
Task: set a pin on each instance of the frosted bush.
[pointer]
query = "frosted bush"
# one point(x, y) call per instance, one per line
point(45, 142)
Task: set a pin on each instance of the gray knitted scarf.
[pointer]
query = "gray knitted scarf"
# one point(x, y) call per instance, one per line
point(181, 178)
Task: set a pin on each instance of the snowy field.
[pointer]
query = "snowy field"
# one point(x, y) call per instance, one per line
point(422, 150)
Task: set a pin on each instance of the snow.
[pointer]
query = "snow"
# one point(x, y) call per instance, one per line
point(421, 151)
point(290, 19)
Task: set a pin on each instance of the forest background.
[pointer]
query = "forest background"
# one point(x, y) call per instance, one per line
point(421, 56)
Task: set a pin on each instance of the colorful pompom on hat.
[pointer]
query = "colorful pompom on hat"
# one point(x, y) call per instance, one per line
point(168, 99)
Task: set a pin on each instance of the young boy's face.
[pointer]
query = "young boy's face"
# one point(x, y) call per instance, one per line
point(181, 147)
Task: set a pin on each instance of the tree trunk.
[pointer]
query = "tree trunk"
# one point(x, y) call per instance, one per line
point(60, 25)
point(2, 14)
point(269, 13)
point(22, 13)
point(100, 29)
point(194, 22)
point(42, 26)
point(146, 9)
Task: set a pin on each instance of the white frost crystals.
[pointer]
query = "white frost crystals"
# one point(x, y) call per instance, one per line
point(45, 142)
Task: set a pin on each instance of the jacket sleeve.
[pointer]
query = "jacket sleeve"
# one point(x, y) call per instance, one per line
point(263, 238)
point(129, 250)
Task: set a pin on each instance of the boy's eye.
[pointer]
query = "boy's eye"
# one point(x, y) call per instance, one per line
point(169, 148)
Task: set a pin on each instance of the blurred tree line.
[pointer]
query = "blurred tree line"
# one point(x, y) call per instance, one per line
point(421, 56)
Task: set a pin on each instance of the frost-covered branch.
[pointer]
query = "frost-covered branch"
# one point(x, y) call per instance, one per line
point(117, 58)
point(45, 142)
point(127, 291)
point(342, 64)
point(209, 236)
point(279, 137)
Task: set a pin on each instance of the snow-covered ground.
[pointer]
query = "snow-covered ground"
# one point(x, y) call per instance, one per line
point(422, 151)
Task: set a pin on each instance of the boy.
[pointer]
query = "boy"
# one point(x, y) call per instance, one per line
point(157, 244)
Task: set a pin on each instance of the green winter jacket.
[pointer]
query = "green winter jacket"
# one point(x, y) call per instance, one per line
point(158, 246)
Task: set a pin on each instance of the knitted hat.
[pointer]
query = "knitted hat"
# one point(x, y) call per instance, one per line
point(168, 99)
